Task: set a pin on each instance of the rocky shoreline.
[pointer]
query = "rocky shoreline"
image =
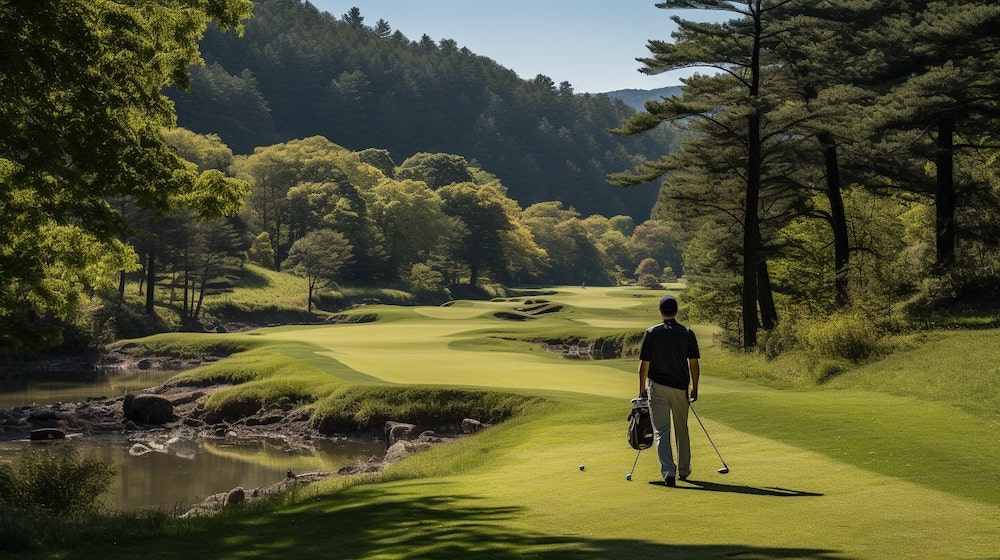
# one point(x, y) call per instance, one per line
point(155, 418)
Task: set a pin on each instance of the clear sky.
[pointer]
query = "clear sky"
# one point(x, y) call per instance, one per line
point(592, 44)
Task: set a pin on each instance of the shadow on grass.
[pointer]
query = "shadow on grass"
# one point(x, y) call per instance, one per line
point(247, 278)
point(738, 489)
point(393, 523)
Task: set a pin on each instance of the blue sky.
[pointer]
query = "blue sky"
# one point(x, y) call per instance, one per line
point(592, 44)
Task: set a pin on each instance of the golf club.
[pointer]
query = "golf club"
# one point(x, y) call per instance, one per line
point(725, 467)
point(634, 463)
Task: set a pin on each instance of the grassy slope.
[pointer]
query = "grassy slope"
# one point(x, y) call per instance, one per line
point(836, 472)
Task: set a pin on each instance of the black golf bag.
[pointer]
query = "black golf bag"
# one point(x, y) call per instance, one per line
point(640, 427)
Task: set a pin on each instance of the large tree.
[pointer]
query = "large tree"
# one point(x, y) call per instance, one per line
point(82, 115)
point(485, 213)
point(941, 66)
point(737, 49)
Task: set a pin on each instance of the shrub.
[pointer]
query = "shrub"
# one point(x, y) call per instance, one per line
point(55, 480)
point(846, 336)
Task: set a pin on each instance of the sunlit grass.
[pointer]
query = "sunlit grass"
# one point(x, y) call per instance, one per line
point(870, 465)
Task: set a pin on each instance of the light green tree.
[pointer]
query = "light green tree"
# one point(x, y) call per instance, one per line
point(412, 220)
point(319, 257)
point(83, 113)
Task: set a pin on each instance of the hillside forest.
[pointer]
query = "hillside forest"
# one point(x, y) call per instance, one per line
point(832, 178)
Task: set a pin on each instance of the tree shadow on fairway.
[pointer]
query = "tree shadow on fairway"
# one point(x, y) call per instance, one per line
point(407, 521)
point(739, 489)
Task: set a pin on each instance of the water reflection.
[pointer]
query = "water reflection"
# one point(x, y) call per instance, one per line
point(75, 386)
point(176, 473)
point(184, 472)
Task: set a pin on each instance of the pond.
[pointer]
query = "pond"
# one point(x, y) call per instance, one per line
point(52, 387)
point(182, 472)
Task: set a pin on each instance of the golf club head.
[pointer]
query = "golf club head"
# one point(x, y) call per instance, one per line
point(724, 470)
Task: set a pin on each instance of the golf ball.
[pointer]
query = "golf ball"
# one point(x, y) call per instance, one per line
point(581, 467)
point(628, 476)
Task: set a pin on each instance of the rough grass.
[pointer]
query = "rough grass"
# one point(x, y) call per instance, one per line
point(863, 467)
point(369, 407)
point(181, 345)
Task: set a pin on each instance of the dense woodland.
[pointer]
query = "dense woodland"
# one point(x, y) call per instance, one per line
point(298, 72)
point(841, 166)
point(832, 177)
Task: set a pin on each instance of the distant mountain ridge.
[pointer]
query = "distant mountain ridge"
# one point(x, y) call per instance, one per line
point(636, 97)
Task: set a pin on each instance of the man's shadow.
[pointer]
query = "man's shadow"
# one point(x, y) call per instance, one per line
point(737, 489)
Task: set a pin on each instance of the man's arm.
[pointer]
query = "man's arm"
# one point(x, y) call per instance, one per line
point(695, 374)
point(643, 372)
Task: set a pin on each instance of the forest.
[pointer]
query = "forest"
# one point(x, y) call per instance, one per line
point(829, 175)
point(297, 72)
point(838, 178)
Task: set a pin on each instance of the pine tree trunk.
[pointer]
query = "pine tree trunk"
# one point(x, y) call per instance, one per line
point(751, 237)
point(751, 218)
point(838, 220)
point(945, 196)
point(768, 311)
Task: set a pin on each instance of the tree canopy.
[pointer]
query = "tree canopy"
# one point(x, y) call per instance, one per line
point(855, 115)
point(362, 85)
point(83, 115)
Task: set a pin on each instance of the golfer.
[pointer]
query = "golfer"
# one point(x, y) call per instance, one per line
point(668, 377)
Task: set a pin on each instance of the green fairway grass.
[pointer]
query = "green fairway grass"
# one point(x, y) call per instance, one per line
point(861, 468)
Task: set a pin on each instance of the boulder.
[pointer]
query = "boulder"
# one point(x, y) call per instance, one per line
point(46, 434)
point(398, 431)
point(403, 448)
point(235, 497)
point(471, 426)
point(148, 409)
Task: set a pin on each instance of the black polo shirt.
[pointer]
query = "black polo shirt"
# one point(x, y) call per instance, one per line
point(667, 347)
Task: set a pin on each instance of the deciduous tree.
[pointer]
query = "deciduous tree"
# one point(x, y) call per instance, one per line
point(82, 114)
point(319, 257)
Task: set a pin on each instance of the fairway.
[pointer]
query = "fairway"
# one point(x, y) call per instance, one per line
point(809, 477)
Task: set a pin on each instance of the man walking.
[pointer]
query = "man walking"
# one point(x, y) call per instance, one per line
point(668, 377)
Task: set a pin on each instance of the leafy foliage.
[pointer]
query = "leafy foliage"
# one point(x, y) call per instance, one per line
point(57, 481)
point(82, 112)
point(365, 86)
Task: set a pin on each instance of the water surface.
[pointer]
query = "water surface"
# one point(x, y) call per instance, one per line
point(175, 473)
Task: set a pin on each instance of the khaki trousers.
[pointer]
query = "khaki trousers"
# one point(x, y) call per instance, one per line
point(669, 406)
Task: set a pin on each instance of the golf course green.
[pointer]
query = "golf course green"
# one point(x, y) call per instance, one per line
point(838, 471)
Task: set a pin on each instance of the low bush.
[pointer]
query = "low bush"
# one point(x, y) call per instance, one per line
point(55, 480)
point(845, 336)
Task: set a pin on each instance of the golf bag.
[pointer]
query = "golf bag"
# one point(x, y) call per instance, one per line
point(640, 427)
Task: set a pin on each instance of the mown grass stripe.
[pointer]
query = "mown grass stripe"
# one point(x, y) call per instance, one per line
point(926, 443)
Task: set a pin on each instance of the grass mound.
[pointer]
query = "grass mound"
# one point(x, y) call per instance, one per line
point(362, 408)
